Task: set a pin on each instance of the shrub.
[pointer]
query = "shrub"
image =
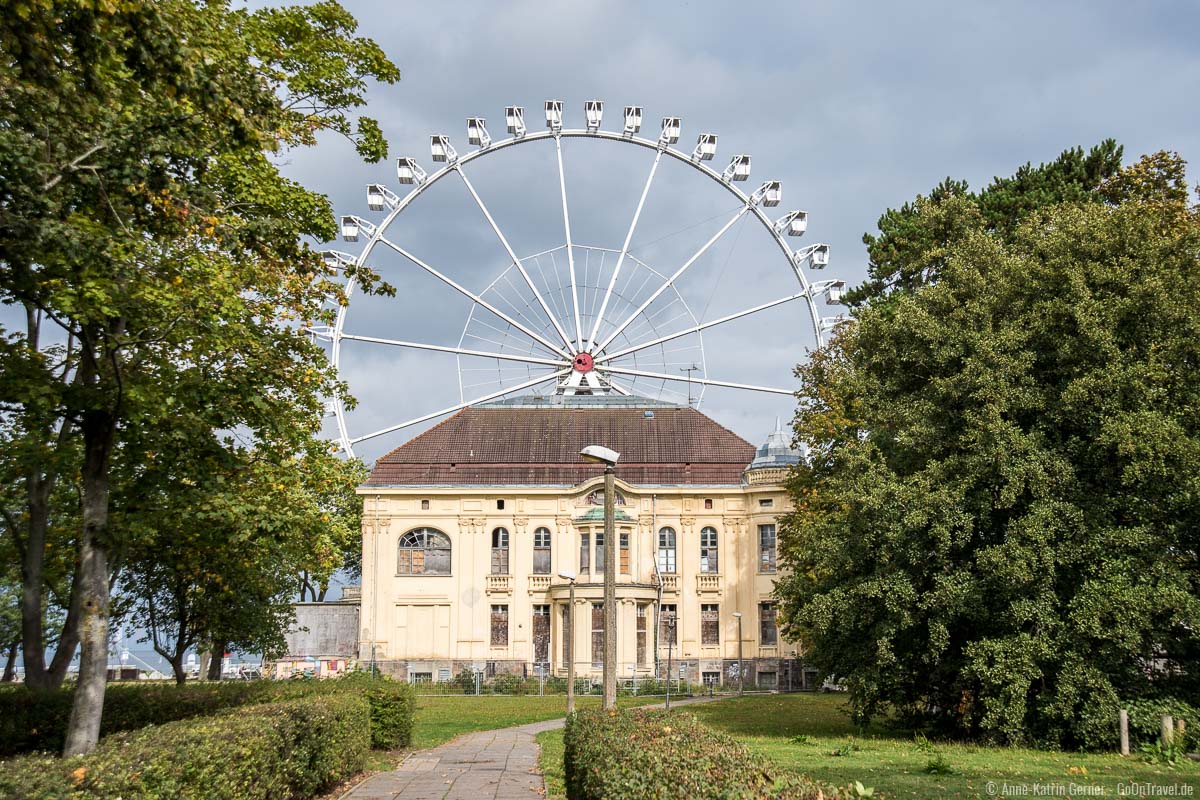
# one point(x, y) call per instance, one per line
point(1145, 720)
point(641, 754)
point(37, 720)
point(294, 748)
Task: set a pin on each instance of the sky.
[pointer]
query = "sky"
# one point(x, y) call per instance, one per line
point(854, 107)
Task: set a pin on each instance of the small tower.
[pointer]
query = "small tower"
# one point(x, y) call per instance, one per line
point(773, 459)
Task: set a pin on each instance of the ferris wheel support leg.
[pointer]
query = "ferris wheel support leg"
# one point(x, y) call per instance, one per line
point(562, 185)
point(612, 282)
point(512, 255)
point(666, 284)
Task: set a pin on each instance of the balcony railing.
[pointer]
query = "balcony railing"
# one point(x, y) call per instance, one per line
point(539, 583)
point(708, 582)
point(499, 584)
point(670, 583)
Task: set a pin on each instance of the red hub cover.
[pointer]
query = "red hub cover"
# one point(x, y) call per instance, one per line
point(584, 362)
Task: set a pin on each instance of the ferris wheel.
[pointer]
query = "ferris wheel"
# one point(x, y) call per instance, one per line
point(579, 318)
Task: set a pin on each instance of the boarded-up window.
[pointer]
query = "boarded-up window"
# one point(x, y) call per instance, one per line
point(768, 633)
point(499, 626)
point(541, 634)
point(585, 553)
point(766, 548)
point(541, 551)
point(641, 634)
point(599, 558)
point(624, 553)
point(566, 635)
point(423, 551)
point(597, 634)
point(666, 551)
point(668, 629)
point(500, 551)
point(710, 624)
point(708, 550)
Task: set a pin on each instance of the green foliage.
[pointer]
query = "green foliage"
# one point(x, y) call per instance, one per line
point(911, 248)
point(1159, 753)
point(658, 754)
point(37, 720)
point(294, 748)
point(995, 534)
point(938, 765)
point(845, 748)
point(1145, 720)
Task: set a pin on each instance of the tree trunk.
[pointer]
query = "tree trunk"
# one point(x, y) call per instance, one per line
point(10, 666)
point(178, 670)
point(83, 729)
point(216, 660)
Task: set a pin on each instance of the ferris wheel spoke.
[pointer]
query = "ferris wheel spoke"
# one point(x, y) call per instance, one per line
point(702, 381)
point(513, 256)
point(562, 185)
point(702, 326)
point(624, 248)
point(468, 293)
point(462, 351)
point(459, 406)
point(671, 280)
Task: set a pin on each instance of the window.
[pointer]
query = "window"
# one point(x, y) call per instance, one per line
point(500, 551)
point(541, 551)
point(766, 548)
point(710, 624)
point(708, 503)
point(424, 551)
point(666, 550)
point(768, 680)
point(499, 626)
point(766, 503)
point(444, 675)
point(597, 634)
point(424, 505)
point(624, 553)
point(641, 634)
point(499, 505)
point(599, 559)
point(541, 634)
point(585, 554)
point(668, 629)
point(420, 677)
point(567, 634)
point(711, 678)
point(708, 550)
point(768, 633)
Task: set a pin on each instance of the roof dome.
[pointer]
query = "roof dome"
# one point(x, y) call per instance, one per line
point(776, 453)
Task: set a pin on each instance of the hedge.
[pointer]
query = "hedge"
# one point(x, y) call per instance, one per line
point(660, 755)
point(32, 720)
point(290, 749)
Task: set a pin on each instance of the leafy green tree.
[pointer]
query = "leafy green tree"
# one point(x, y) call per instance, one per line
point(142, 218)
point(909, 250)
point(996, 533)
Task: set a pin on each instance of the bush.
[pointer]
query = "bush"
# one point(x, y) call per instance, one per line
point(294, 748)
point(655, 755)
point(1145, 720)
point(37, 720)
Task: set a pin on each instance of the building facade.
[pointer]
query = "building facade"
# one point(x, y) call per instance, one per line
point(475, 531)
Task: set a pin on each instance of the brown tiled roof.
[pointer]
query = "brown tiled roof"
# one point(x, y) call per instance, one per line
point(498, 446)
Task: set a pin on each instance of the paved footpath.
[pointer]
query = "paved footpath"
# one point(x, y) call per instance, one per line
point(490, 765)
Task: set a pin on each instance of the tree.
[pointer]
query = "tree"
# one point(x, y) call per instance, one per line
point(142, 218)
point(335, 509)
point(909, 250)
point(996, 533)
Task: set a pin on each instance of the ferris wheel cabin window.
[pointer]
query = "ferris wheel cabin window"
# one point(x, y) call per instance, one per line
point(423, 551)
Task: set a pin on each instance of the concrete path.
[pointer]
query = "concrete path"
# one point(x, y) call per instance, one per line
point(490, 765)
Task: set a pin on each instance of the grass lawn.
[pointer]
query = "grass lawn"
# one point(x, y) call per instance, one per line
point(898, 765)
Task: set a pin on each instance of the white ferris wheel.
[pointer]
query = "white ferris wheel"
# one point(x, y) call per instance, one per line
point(579, 318)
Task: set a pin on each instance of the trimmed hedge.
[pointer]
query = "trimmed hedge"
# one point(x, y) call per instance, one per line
point(32, 720)
point(660, 755)
point(289, 749)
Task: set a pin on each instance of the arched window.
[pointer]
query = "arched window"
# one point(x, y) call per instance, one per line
point(666, 550)
point(541, 551)
point(424, 551)
point(708, 550)
point(500, 551)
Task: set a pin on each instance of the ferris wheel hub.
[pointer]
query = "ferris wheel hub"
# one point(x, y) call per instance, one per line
point(584, 363)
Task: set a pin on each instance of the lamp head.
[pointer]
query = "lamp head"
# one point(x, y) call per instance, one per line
point(737, 614)
point(598, 454)
point(567, 576)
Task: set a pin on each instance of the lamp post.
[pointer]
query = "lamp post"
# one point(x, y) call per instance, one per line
point(603, 455)
point(741, 673)
point(670, 641)
point(570, 640)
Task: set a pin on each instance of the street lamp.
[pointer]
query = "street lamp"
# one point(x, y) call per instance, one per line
point(741, 667)
point(569, 635)
point(670, 641)
point(603, 455)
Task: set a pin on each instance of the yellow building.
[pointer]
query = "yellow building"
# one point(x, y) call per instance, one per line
point(472, 530)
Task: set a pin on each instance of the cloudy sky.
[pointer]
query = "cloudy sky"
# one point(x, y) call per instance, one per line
point(854, 107)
